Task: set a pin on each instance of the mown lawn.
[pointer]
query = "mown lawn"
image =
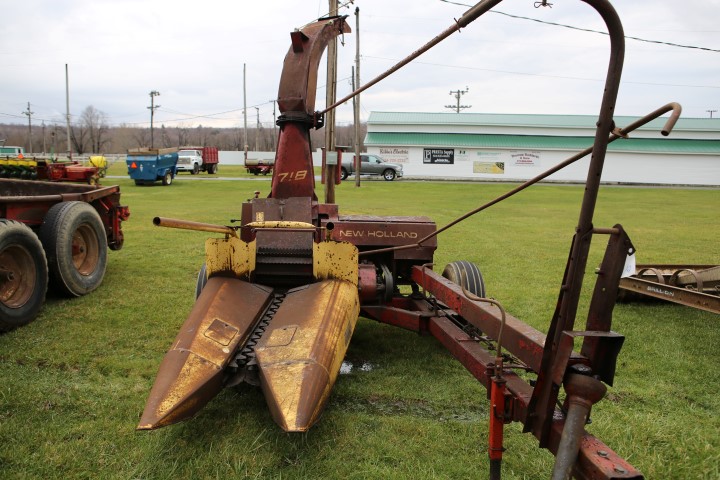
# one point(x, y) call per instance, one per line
point(75, 381)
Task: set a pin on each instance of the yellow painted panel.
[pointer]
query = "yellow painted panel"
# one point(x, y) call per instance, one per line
point(335, 260)
point(261, 223)
point(298, 371)
point(229, 255)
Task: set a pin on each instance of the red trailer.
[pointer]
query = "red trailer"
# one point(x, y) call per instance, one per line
point(54, 234)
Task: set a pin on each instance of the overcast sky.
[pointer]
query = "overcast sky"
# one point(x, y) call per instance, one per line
point(117, 51)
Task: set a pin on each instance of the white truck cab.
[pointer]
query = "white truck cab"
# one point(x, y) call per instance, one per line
point(189, 161)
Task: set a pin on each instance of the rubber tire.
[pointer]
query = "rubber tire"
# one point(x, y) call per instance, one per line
point(467, 275)
point(389, 175)
point(139, 182)
point(343, 174)
point(201, 280)
point(79, 224)
point(21, 251)
point(167, 178)
point(195, 170)
point(212, 168)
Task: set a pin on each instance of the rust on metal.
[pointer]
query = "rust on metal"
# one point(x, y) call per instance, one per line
point(583, 392)
point(283, 294)
point(192, 372)
point(300, 354)
point(85, 249)
point(188, 225)
point(298, 83)
point(696, 286)
point(18, 276)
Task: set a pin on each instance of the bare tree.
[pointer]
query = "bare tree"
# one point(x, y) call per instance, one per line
point(141, 136)
point(91, 132)
point(183, 135)
point(232, 139)
point(120, 138)
point(78, 137)
point(165, 139)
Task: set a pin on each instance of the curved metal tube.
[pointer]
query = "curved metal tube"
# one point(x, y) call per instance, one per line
point(542, 402)
point(471, 15)
point(190, 225)
point(674, 107)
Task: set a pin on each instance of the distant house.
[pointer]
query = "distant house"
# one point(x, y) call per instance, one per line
point(517, 147)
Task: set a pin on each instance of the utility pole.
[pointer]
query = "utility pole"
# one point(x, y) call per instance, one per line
point(152, 108)
point(458, 93)
point(67, 113)
point(245, 114)
point(29, 115)
point(711, 112)
point(53, 136)
point(44, 138)
point(274, 146)
point(257, 128)
point(356, 99)
point(330, 93)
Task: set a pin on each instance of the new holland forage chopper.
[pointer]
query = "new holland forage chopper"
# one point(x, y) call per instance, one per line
point(279, 297)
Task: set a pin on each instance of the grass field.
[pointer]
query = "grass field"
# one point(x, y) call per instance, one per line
point(75, 381)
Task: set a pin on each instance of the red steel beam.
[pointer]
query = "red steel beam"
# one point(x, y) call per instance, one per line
point(522, 340)
point(595, 460)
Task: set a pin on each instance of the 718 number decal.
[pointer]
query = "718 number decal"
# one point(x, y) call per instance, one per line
point(293, 176)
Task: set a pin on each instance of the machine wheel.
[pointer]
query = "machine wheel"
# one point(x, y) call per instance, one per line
point(195, 170)
point(467, 275)
point(167, 178)
point(343, 173)
point(139, 182)
point(76, 246)
point(23, 275)
point(201, 280)
point(389, 175)
point(212, 168)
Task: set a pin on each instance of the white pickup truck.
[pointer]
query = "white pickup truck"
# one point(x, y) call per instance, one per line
point(189, 161)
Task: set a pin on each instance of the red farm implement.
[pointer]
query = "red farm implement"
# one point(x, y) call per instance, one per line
point(280, 293)
point(57, 234)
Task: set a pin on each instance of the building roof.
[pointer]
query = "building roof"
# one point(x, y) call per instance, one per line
point(459, 140)
point(531, 120)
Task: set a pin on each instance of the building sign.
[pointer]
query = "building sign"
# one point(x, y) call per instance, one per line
point(439, 155)
point(462, 156)
point(494, 168)
point(395, 154)
point(525, 159)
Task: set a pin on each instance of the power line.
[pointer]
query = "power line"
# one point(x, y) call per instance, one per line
point(659, 42)
point(564, 77)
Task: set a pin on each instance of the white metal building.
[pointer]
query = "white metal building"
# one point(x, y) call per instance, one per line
point(512, 147)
